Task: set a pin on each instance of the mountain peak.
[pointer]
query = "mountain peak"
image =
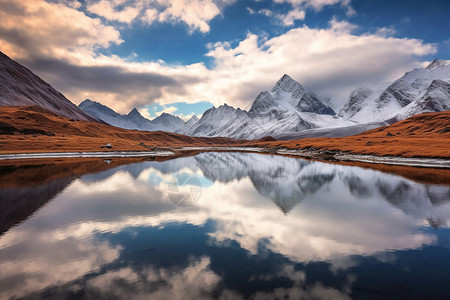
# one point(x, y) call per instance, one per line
point(166, 115)
point(194, 118)
point(438, 63)
point(88, 102)
point(287, 84)
point(134, 112)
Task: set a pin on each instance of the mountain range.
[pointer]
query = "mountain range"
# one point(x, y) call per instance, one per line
point(287, 111)
point(134, 120)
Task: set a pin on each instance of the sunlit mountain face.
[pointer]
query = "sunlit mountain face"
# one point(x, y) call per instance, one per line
point(228, 226)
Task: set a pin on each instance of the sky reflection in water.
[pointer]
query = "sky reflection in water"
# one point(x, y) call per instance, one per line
point(262, 227)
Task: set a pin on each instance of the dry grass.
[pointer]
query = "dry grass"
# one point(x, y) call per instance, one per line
point(426, 135)
point(33, 129)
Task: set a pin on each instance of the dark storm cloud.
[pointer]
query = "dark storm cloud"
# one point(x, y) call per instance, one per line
point(111, 79)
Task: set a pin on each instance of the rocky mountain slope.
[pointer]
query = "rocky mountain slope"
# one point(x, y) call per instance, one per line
point(419, 91)
point(21, 87)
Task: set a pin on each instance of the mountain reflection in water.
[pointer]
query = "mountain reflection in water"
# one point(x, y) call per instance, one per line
point(263, 227)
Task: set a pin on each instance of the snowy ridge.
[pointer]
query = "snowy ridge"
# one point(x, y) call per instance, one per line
point(418, 91)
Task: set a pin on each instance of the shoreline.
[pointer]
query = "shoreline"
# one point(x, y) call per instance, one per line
point(326, 156)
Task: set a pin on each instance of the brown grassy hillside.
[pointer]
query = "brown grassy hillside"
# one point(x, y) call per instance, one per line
point(426, 135)
point(33, 129)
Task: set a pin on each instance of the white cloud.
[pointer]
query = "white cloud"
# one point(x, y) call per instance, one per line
point(286, 19)
point(293, 15)
point(194, 13)
point(168, 110)
point(144, 112)
point(316, 4)
point(266, 12)
point(34, 28)
point(386, 31)
point(342, 26)
point(108, 10)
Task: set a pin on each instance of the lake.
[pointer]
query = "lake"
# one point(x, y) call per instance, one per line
point(221, 226)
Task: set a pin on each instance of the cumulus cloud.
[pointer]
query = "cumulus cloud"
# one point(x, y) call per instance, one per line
point(109, 10)
point(168, 110)
point(38, 28)
point(286, 19)
point(289, 18)
point(319, 4)
point(194, 13)
point(330, 61)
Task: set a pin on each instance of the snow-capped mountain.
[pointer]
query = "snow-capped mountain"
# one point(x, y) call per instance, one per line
point(419, 91)
point(191, 121)
point(217, 121)
point(21, 87)
point(106, 114)
point(289, 111)
point(168, 122)
point(287, 95)
point(142, 123)
point(286, 109)
point(133, 120)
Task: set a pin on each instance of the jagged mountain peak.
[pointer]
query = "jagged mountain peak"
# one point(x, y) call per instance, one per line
point(167, 116)
point(287, 84)
point(221, 108)
point(194, 118)
point(168, 122)
point(86, 103)
point(438, 63)
point(136, 116)
point(89, 106)
point(191, 122)
point(134, 111)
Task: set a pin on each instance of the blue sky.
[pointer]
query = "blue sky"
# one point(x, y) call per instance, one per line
point(183, 56)
point(425, 20)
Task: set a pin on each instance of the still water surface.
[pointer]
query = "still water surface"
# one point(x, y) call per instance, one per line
point(225, 226)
